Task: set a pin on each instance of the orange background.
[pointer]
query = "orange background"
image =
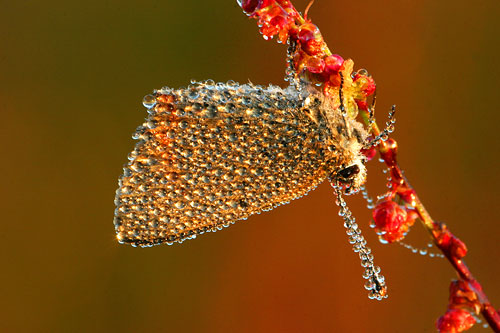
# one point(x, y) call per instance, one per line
point(73, 74)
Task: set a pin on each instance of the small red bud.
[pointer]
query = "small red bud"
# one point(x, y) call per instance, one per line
point(369, 153)
point(310, 39)
point(362, 105)
point(365, 83)
point(461, 295)
point(315, 65)
point(389, 217)
point(334, 79)
point(248, 6)
point(330, 89)
point(455, 320)
point(457, 248)
point(451, 245)
point(333, 63)
point(388, 151)
point(279, 21)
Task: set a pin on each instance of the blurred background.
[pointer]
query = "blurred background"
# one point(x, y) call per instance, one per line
point(72, 78)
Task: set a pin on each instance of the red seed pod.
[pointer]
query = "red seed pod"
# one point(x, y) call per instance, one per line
point(248, 6)
point(330, 88)
point(365, 84)
point(455, 320)
point(461, 295)
point(392, 221)
point(335, 79)
point(362, 104)
point(457, 248)
point(273, 26)
point(389, 151)
point(310, 39)
point(369, 153)
point(333, 63)
point(450, 244)
point(315, 65)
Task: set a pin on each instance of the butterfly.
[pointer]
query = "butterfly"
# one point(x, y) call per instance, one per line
point(211, 154)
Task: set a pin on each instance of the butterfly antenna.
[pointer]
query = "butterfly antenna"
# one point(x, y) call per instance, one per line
point(290, 73)
point(384, 135)
point(375, 283)
point(371, 110)
point(341, 99)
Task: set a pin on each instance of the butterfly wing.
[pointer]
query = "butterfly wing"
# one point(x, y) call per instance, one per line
point(210, 155)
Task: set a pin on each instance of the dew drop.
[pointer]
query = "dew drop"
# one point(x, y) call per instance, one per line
point(193, 94)
point(362, 71)
point(179, 205)
point(149, 101)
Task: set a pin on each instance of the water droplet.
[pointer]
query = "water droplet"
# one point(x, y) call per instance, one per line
point(363, 71)
point(179, 205)
point(210, 112)
point(193, 94)
point(149, 101)
point(210, 83)
point(369, 285)
point(383, 241)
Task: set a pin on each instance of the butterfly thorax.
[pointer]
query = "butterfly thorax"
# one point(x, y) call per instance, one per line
point(344, 138)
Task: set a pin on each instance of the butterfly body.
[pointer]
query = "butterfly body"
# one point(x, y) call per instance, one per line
point(213, 154)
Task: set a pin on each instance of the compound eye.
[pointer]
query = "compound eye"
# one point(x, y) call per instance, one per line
point(349, 172)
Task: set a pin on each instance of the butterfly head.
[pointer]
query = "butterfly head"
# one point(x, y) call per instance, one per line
point(352, 177)
point(350, 171)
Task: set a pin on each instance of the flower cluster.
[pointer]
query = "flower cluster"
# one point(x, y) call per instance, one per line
point(275, 17)
point(392, 221)
point(395, 214)
point(455, 320)
point(462, 303)
point(312, 59)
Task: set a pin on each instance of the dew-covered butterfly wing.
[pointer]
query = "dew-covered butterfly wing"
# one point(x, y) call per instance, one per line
point(212, 154)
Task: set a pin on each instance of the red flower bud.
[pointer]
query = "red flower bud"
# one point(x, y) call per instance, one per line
point(458, 248)
point(333, 63)
point(389, 215)
point(362, 105)
point(390, 219)
point(315, 65)
point(248, 6)
point(365, 83)
point(450, 244)
point(455, 320)
point(369, 153)
point(310, 39)
point(329, 89)
point(389, 151)
point(461, 295)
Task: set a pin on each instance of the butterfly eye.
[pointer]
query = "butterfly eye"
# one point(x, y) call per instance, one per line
point(349, 172)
